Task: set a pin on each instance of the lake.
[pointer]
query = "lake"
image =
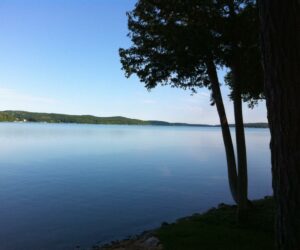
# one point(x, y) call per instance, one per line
point(63, 185)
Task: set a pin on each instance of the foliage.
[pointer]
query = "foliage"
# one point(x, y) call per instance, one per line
point(62, 118)
point(172, 41)
point(21, 116)
point(169, 44)
point(246, 24)
point(6, 117)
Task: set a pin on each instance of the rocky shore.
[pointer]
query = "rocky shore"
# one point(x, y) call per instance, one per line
point(190, 232)
point(145, 241)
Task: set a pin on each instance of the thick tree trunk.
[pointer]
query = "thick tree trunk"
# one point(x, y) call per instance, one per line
point(280, 30)
point(241, 156)
point(231, 165)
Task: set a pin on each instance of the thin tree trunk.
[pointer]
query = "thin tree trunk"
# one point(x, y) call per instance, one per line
point(280, 30)
point(241, 156)
point(239, 123)
point(231, 165)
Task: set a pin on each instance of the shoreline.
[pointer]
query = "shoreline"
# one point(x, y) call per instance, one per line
point(25, 116)
point(128, 124)
point(161, 237)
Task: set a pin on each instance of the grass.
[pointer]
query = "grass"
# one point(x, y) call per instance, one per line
point(217, 230)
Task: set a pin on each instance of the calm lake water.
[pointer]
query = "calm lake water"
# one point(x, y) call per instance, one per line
point(67, 185)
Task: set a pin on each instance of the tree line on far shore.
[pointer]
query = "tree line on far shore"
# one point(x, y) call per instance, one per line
point(24, 116)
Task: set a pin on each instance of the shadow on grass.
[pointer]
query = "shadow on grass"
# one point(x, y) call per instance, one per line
point(217, 230)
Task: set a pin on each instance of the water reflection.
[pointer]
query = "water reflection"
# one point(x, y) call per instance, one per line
point(64, 185)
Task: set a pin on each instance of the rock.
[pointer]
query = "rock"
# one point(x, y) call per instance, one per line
point(159, 247)
point(151, 242)
point(144, 241)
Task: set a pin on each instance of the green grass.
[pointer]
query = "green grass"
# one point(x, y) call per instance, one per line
point(218, 230)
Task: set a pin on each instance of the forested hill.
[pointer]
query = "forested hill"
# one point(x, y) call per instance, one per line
point(24, 116)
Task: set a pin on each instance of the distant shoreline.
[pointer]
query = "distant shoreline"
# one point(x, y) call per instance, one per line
point(24, 116)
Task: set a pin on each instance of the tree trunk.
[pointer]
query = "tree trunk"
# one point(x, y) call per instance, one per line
point(280, 30)
point(239, 123)
point(241, 155)
point(231, 165)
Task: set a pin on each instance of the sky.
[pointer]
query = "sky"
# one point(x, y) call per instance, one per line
point(61, 56)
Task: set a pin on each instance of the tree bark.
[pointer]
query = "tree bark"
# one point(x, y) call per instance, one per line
point(231, 165)
point(280, 31)
point(241, 155)
point(238, 116)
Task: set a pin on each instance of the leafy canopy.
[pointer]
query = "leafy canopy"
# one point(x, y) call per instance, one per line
point(173, 40)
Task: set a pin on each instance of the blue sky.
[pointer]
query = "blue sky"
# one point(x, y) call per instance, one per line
point(62, 56)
